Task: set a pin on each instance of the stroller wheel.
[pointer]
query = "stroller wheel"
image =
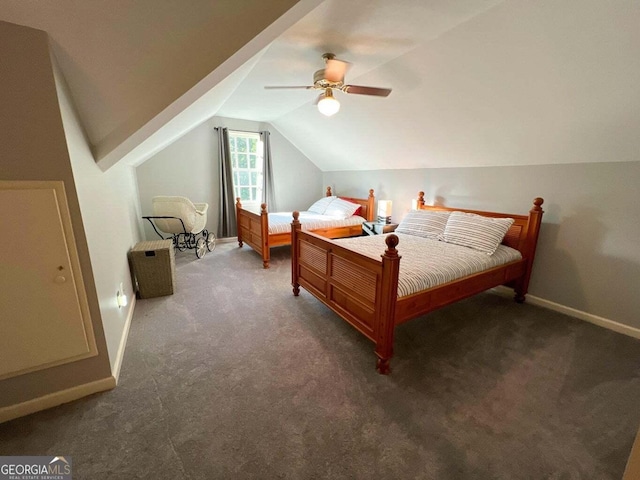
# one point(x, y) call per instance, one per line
point(211, 242)
point(201, 247)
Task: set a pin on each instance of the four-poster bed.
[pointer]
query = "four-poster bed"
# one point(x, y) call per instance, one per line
point(364, 290)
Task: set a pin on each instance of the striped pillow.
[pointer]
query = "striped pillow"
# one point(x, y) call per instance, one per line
point(341, 208)
point(475, 231)
point(321, 205)
point(424, 223)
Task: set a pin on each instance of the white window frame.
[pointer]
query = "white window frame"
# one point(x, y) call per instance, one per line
point(247, 179)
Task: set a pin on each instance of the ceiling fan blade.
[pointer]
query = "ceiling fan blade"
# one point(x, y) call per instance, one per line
point(360, 90)
point(335, 70)
point(306, 87)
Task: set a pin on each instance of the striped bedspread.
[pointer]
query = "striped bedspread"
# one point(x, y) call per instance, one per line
point(280, 222)
point(426, 263)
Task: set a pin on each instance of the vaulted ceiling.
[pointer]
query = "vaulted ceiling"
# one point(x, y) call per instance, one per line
point(142, 72)
point(475, 82)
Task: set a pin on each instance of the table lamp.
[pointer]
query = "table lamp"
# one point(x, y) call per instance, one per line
point(384, 211)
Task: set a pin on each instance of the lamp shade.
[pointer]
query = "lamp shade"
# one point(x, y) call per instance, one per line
point(384, 211)
point(384, 208)
point(328, 105)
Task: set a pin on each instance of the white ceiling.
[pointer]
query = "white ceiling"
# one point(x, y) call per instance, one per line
point(366, 33)
point(484, 84)
point(133, 65)
point(475, 82)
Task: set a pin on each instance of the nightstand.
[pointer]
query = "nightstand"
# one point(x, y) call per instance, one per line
point(375, 228)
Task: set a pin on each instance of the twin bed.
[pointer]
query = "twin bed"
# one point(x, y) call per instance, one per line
point(449, 254)
point(263, 230)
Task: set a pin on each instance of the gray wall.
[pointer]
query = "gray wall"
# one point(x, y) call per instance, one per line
point(33, 147)
point(588, 257)
point(189, 167)
point(109, 207)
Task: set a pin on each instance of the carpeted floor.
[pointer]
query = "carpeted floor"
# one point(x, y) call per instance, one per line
point(234, 377)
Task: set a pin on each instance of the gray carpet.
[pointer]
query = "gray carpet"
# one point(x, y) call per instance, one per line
point(234, 377)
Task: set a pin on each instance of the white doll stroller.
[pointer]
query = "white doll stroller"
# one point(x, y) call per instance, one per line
point(184, 221)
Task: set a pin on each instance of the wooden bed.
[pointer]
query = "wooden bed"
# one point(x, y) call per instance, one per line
point(253, 227)
point(364, 291)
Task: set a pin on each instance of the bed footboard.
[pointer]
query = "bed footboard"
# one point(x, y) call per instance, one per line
point(253, 229)
point(359, 289)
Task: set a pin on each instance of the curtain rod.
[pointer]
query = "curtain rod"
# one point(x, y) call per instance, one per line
point(242, 131)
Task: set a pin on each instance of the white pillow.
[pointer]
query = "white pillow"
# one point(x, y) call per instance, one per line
point(475, 231)
point(321, 205)
point(424, 223)
point(341, 208)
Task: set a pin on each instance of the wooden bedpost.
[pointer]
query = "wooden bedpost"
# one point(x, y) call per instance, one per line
point(295, 228)
point(238, 208)
point(533, 230)
point(328, 192)
point(371, 201)
point(420, 200)
point(385, 324)
point(264, 228)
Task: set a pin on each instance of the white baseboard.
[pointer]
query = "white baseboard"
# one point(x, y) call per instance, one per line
point(55, 399)
point(123, 340)
point(572, 312)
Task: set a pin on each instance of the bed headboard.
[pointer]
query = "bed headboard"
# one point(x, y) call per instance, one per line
point(367, 211)
point(522, 235)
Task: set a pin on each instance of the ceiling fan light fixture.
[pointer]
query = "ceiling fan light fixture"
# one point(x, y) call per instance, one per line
point(332, 78)
point(328, 105)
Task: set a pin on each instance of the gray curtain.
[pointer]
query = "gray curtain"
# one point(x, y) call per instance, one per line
point(268, 192)
point(227, 226)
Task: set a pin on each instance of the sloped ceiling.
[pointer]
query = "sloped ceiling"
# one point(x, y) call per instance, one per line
point(367, 33)
point(478, 84)
point(475, 82)
point(133, 65)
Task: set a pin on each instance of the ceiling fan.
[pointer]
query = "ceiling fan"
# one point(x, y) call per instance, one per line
point(332, 78)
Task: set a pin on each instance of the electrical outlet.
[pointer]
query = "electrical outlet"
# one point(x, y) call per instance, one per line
point(121, 298)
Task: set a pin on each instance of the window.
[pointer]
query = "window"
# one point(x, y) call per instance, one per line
point(247, 163)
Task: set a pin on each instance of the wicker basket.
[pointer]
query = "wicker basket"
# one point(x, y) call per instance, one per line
point(154, 268)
